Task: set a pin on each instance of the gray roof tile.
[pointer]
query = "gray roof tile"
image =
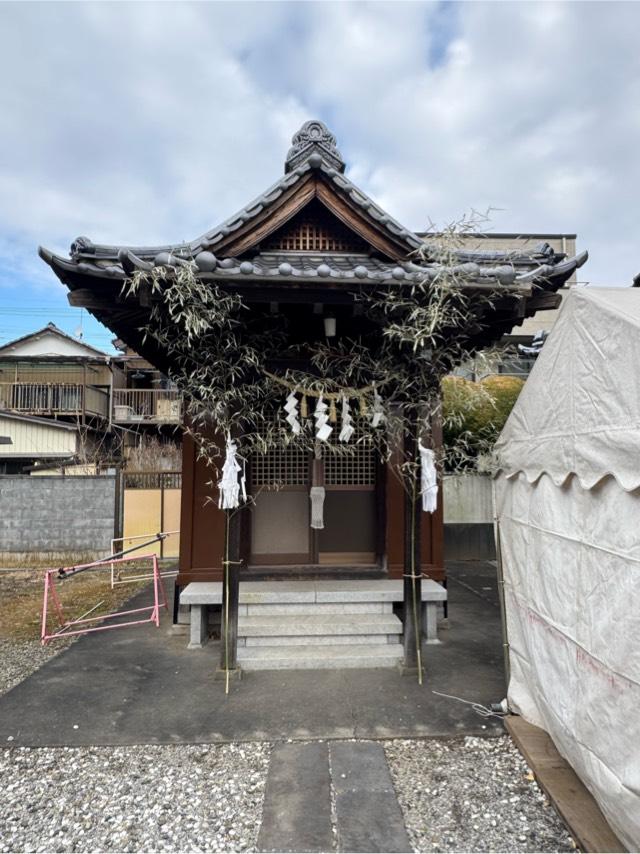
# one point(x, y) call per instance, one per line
point(314, 148)
point(291, 266)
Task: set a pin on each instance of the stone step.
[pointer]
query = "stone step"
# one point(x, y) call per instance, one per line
point(319, 630)
point(318, 657)
point(301, 608)
point(341, 613)
point(319, 625)
point(316, 592)
point(317, 640)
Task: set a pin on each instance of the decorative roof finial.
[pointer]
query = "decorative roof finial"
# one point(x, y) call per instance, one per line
point(314, 138)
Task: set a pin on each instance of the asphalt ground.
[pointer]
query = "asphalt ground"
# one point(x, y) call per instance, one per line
point(141, 685)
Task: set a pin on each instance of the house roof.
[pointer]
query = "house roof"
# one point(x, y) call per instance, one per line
point(52, 329)
point(33, 419)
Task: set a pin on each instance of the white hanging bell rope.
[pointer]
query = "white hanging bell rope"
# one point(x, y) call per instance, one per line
point(428, 480)
point(228, 485)
point(317, 494)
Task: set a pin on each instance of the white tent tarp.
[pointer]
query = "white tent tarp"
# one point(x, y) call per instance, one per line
point(568, 510)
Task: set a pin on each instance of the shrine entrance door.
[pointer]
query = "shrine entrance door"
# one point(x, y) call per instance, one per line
point(281, 532)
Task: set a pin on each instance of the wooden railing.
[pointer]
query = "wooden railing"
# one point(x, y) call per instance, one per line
point(54, 399)
point(146, 405)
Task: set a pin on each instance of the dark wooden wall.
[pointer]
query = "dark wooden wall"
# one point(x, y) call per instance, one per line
point(432, 534)
point(202, 525)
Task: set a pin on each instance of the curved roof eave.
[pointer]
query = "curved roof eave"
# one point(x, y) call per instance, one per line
point(545, 276)
point(84, 247)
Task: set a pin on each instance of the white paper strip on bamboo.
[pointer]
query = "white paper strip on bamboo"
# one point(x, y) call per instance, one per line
point(228, 485)
point(348, 429)
point(317, 494)
point(323, 428)
point(428, 480)
point(291, 408)
point(377, 410)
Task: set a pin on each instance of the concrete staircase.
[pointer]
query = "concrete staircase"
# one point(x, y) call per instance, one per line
point(317, 625)
point(311, 624)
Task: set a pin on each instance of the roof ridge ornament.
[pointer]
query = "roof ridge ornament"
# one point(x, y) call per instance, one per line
point(313, 143)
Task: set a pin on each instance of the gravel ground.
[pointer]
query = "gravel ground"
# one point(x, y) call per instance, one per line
point(472, 794)
point(19, 658)
point(468, 794)
point(186, 798)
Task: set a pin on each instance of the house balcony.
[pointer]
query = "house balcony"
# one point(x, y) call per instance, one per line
point(146, 406)
point(55, 399)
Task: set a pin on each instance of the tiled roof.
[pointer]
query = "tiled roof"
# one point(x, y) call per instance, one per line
point(83, 247)
point(291, 266)
point(314, 150)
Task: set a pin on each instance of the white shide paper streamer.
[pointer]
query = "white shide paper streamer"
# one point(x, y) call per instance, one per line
point(229, 486)
point(428, 480)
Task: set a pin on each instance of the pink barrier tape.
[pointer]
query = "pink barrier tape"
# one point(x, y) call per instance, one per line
point(79, 626)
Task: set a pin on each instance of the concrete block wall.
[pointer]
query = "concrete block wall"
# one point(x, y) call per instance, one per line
point(56, 515)
point(468, 518)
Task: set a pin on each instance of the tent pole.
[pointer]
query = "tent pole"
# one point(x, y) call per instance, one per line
point(501, 596)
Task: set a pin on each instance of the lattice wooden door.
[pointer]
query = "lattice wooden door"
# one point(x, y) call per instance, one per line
point(280, 529)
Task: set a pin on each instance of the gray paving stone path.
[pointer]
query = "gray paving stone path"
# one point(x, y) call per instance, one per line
point(297, 804)
point(331, 796)
point(368, 816)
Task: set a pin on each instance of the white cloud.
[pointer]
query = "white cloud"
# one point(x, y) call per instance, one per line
point(151, 122)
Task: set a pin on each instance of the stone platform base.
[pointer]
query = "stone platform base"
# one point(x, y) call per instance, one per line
point(314, 624)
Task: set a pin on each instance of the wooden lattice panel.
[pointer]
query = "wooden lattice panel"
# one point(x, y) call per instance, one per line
point(355, 468)
point(315, 231)
point(282, 467)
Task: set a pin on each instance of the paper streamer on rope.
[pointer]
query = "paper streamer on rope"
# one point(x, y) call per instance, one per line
point(316, 494)
point(291, 408)
point(428, 480)
point(229, 486)
point(377, 411)
point(348, 429)
point(323, 428)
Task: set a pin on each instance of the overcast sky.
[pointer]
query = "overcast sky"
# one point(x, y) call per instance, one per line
point(151, 122)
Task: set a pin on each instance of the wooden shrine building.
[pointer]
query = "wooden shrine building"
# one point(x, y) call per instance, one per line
point(303, 247)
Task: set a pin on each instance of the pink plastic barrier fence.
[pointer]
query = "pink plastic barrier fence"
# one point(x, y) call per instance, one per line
point(82, 626)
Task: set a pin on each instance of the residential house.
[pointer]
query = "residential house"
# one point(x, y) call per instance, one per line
point(26, 440)
point(110, 403)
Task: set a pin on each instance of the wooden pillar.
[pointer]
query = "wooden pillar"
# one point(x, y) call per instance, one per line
point(394, 521)
point(202, 524)
point(412, 586)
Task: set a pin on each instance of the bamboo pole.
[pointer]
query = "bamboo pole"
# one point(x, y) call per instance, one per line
point(230, 597)
point(412, 576)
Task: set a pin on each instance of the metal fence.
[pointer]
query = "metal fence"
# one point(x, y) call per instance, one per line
point(54, 399)
point(146, 405)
